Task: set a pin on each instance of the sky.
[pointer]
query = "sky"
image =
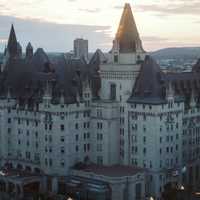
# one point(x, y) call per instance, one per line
point(54, 24)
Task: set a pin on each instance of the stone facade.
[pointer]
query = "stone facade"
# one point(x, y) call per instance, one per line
point(124, 110)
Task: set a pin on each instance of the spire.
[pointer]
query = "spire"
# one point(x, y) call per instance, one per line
point(170, 92)
point(12, 43)
point(192, 99)
point(127, 34)
point(29, 51)
point(47, 97)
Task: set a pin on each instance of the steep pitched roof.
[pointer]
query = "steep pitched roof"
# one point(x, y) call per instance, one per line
point(39, 60)
point(94, 67)
point(29, 46)
point(150, 82)
point(12, 42)
point(127, 34)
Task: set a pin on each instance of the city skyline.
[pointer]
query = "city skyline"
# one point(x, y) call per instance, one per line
point(98, 21)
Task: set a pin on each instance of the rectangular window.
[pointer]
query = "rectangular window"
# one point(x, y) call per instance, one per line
point(116, 59)
point(62, 127)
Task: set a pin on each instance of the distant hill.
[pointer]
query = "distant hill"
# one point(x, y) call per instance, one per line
point(177, 53)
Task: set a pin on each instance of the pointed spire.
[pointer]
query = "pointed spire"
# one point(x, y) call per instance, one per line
point(62, 98)
point(170, 92)
point(47, 94)
point(8, 94)
point(127, 34)
point(192, 99)
point(12, 43)
point(29, 51)
point(29, 46)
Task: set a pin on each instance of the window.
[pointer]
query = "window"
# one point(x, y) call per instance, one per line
point(113, 91)
point(9, 120)
point(77, 137)
point(62, 127)
point(99, 125)
point(88, 147)
point(144, 151)
point(99, 160)
point(62, 163)
point(50, 162)
point(46, 162)
point(99, 147)
point(76, 126)
point(9, 130)
point(62, 138)
point(36, 134)
point(115, 58)
point(62, 150)
point(77, 148)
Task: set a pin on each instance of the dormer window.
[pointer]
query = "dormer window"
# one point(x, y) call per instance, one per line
point(116, 58)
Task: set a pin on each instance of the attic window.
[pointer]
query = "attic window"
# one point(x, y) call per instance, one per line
point(116, 59)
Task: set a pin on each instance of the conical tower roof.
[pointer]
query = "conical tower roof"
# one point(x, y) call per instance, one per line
point(29, 46)
point(127, 34)
point(12, 42)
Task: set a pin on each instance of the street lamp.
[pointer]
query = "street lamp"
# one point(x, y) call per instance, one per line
point(151, 198)
point(182, 187)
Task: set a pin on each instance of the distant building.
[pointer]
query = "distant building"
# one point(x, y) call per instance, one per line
point(81, 48)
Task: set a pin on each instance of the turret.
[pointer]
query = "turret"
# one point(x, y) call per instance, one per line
point(62, 98)
point(12, 47)
point(29, 51)
point(127, 46)
point(192, 99)
point(170, 93)
point(47, 94)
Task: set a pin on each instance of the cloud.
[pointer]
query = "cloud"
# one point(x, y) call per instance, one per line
point(180, 7)
point(95, 10)
point(153, 39)
point(118, 7)
point(52, 36)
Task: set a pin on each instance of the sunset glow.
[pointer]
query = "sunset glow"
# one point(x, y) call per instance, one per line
point(160, 23)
